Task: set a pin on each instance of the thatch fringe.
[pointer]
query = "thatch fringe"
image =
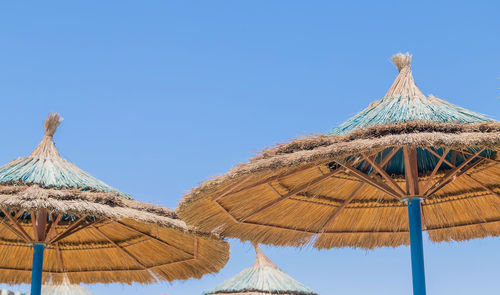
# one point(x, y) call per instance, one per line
point(326, 148)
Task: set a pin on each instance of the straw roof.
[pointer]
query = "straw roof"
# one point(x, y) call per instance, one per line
point(262, 278)
point(348, 188)
point(65, 288)
point(93, 233)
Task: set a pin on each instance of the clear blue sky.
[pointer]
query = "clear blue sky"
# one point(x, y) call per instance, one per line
point(158, 96)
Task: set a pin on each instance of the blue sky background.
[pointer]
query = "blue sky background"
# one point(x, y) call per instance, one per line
point(158, 96)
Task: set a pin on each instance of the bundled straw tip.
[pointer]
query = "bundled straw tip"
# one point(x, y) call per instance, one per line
point(402, 60)
point(51, 124)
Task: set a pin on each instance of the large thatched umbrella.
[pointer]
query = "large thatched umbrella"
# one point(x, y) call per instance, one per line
point(363, 184)
point(89, 230)
point(264, 277)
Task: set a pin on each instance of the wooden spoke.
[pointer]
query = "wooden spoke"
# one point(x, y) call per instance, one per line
point(438, 165)
point(233, 189)
point(153, 237)
point(389, 156)
point(18, 229)
point(483, 185)
point(337, 211)
point(225, 210)
point(16, 232)
point(292, 193)
point(326, 232)
point(441, 157)
point(452, 174)
point(373, 182)
point(119, 248)
point(51, 229)
point(411, 171)
point(74, 227)
point(481, 157)
point(384, 174)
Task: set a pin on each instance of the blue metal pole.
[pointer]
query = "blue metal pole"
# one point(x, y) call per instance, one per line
point(36, 271)
point(416, 246)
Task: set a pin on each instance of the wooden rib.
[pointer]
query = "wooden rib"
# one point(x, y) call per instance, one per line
point(67, 231)
point(439, 156)
point(274, 190)
point(3, 228)
point(7, 226)
point(384, 175)
point(438, 165)
point(231, 188)
point(326, 232)
point(373, 182)
point(52, 230)
point(153, 237)
point(19, 214)
point(16, 232)
point(483, 185)
point(445, 179)
point(120, 248)
point(59, 258)
point(389, 156)
point(226, 211)
point(479, 156)
point(74, 230)
point(287, 173)
point(292, 193)
point(17, 226)
point(341, 207)
point(411, 171)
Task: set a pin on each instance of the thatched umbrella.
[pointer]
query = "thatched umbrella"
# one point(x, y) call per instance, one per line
point(363, 184)
point(264, 277)
point(89, 230)
point(64, 288)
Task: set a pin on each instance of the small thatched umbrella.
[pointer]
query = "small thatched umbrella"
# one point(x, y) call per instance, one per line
point(64, 288)
point(363, 184)
point(264, 277)
point(89, 230)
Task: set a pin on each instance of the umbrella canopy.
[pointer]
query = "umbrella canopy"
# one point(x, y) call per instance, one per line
point(262, 278)
point(65, 288)
point(352, 187)
point(91, 231)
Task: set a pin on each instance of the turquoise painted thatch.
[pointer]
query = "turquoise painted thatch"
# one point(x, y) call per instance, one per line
point(405, 103)
point(262, 278)
point(400, 109)
point(45, 167)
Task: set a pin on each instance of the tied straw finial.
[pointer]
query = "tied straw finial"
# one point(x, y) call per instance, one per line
point(51, 124)
point(402, 60)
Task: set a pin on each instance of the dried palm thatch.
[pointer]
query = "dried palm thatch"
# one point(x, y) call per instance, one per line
point(93, 233)
point(347, 188)
point(264, 277)
point(65, 288)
